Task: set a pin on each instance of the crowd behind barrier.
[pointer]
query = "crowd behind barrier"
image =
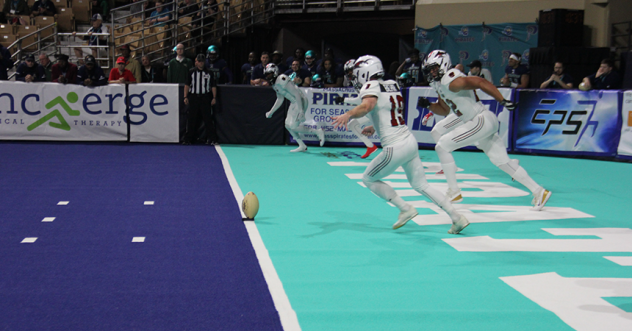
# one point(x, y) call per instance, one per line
point(594, 123)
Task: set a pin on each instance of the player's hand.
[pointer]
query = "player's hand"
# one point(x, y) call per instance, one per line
point(213, 102)
point(339, 100)
point(269, 114)
point(341, 120)
point(423, 103)
point(186, 101)
point(509, 105)
point(368, 131)
point(426, 118)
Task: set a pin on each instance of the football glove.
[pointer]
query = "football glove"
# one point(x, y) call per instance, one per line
point(426, 118)
point(423, 103)
point(509, 105)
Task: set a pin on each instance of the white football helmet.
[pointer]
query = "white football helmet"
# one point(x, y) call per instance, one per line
point(367, 67)
point(436, 58)
point(271, 72)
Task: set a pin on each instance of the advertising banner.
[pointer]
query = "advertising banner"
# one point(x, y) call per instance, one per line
point(625, 143)
point(322, 108)
point(153, 110)
point(568, 121)
point(50, 111)
point(422, 132)
point(491, 44)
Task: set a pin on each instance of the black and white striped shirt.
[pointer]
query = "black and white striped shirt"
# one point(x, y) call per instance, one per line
point(200, 81)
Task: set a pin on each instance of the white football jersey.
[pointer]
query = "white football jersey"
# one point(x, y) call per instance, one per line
point(388, 114)
point(464, 103)
point(290, 91)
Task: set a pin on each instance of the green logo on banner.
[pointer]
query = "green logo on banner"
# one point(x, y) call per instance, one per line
point(63, 125)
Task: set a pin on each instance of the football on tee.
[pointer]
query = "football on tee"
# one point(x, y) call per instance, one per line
point(250, 205)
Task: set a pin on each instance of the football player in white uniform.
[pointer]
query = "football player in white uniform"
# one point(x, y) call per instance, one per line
point(294, 122)
point(459, 102)
point(383, 103)
point(356, 124)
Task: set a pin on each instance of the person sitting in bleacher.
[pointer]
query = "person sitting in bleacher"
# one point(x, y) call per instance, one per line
point(90, 74)
point(44, 61)
point(29, 71)
point(43, 8)
point(160, 16)
point(97, 27)
point(120, 75)
point(64, 72)
point(13, 8)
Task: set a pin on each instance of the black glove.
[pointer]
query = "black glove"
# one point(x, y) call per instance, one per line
point(509, 105)
point(423, 103)
point(339, 100)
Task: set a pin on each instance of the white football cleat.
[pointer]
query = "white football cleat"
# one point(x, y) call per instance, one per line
point(459, 225)
point(404, 217)
point(454, 197)
point(299, 149)
point(321, 136)
point(540, 199)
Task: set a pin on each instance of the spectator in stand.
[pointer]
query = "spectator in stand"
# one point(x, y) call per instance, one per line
point(97, 27)
point(178, 70)
point(299, 54)
point(121, 75)
point(218, 66)
point(13, 8)
point(29, 71)
point(412, 65)
point(90, 74)
point(476, 69)
point(330, 73)
point(132, 64)
point(310, 63)
point(151, 73)
point(187, 8)
point(160, 16)
point(317, 81)
point(258, 79)
point(101, 7)
point(390, 74)
point(559, 79)
point(329, 53)
point(64, 72)
point(277, 58)
point(516, 74)
point(606, 78)
point(6, 63)
point(298, 75)
point(43, 8)
point(44, 61)
point(246, 69)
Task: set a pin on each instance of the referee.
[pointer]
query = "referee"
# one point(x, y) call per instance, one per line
point(199, 92)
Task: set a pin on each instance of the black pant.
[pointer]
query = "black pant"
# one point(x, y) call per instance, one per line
point(200, 107)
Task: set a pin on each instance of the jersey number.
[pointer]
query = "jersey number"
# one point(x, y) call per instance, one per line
point(453, 107)
point(397, 111)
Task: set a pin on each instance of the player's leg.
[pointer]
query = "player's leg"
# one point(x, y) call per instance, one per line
point(291, 125)
point(417, 178)
point(298, 125)
point(356, 127)
point(466, 134)
point(494, 148)
point(383, 165)
point(444, 126)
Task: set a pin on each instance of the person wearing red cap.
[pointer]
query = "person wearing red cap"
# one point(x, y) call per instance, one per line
point(120, 75)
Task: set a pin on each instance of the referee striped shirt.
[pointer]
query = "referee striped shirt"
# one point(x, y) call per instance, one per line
point(200, 82)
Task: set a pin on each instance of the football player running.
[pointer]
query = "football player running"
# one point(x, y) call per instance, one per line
point(294, 122)
point(383, 103)
point(479, 126)
point(356, 124)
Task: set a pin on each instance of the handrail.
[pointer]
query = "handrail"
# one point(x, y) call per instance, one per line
point(20, 47)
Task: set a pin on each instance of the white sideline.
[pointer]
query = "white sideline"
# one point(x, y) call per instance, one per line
point(289, 321)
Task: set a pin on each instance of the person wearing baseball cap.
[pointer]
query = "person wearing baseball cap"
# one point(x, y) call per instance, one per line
point(121, 75)
point(94, 40)
point(29, 71)
point(516, 74)
point(64, 72)
point(132, 64)
point(310, 63)
point(91, 74)
point(476, 69)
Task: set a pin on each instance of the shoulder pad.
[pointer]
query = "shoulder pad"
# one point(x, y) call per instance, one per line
point(451, 75)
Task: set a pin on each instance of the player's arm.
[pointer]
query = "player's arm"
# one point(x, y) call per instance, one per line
point(439, 107)
point(275, 107)
point(473, 83)
point(524, 81)
point(368, 103)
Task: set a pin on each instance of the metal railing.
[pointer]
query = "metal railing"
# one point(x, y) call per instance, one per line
point(338, 6)
point(35, 46)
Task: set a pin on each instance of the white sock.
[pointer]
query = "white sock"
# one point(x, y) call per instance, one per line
point(442, 201)
point(518, 173)
point(387, 193)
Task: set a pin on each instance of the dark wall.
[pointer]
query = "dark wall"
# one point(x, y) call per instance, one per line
point(579, 62)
